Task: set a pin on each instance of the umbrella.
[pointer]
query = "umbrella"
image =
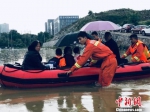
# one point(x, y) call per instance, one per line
point(99, 26)
point(69, 39)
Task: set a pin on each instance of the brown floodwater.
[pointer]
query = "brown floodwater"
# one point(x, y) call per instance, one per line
point(81, 98)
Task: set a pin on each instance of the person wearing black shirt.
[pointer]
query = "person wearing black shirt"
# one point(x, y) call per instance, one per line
point(32, 59)
point(68, 56)
point(112, 45)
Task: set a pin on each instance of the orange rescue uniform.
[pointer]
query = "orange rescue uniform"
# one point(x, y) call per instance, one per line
point(139, 52)
point(97, 51)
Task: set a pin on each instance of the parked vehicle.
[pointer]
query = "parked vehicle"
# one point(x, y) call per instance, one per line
point(138, 29)
point(127, 28)
point(146, 31)
point(120, 27)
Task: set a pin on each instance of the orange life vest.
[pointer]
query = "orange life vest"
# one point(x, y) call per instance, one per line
point(145, 55)
point(62, 61)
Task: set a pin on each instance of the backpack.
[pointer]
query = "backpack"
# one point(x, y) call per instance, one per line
point(54, 61)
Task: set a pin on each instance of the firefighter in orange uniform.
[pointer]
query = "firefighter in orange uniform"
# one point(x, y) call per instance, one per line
point(138, 50)
point(97, 51)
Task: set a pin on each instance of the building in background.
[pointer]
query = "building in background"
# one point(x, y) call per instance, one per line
point(50, 26)
point(63, 21)
point(4, 28)
point(53, 26)
point(46, 27)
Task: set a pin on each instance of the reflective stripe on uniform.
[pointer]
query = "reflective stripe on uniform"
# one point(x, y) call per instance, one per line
point(125, 54)
point(136, 58)
point(96, 43)
point(94, 61)
point(77, 65)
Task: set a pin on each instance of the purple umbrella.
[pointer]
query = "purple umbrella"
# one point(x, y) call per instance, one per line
point(99, 26)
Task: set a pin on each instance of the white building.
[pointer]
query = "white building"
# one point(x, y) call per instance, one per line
point(63, 21)
point(4, 28)
point(53, 26)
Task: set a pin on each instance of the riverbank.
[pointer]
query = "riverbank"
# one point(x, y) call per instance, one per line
point(121, 39)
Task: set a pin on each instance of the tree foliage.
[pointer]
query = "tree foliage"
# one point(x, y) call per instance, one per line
point(90, 13)
point(17, 40)
point(121, 16)
point(147, 22)
point(134, 18)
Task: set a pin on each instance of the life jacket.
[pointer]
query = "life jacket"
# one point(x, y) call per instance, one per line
point(57, 61)
point(145, 55)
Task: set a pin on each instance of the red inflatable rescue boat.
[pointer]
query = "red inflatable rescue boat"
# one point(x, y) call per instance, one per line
point(14, 77)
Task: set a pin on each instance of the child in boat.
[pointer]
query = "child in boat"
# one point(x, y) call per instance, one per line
point(76, 51)
point(58, 61)
point(68, 57)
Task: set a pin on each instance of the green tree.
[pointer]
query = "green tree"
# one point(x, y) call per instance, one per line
point(134, 18)
point(16, 40)
point(44, 36)
point(13, 37)
point(4, 40)
point(18, 43)
point(147, 22)
point(90, 13)
point(26, 39)
point(40, 37)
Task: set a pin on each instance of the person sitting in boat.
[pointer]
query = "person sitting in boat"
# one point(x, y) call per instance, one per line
point(97, 51)
point(76, 51)
point(113, 47)
point(138, 50)
point(58, 61)
point(68, 56)
point(96, 37)
point(32, 59)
